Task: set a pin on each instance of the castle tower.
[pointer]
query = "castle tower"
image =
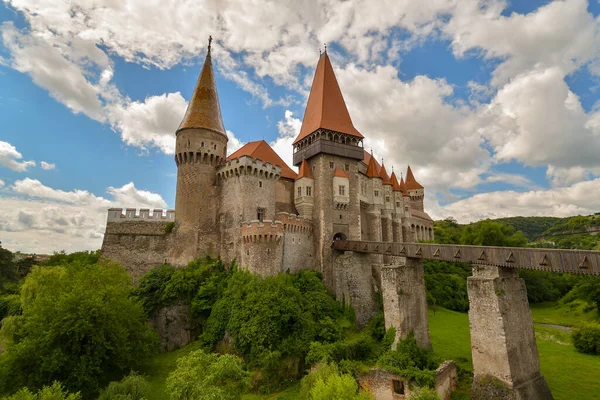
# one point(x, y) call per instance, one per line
point(201, 146)
point(415, 190)
point(304, 187)
point(328, 141)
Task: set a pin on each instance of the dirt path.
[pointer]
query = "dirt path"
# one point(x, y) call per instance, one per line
point(553, 326)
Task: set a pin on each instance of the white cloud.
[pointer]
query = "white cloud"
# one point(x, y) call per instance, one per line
point(582, 198)
point(288, 128)
point(513, 179)
point(47, 166)
point(38, 218)
point(1, 183)
point(233, 144)
point(10, 158)
point(151, 123)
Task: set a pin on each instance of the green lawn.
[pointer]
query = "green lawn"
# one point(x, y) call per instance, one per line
point(571, 375)
point(570, 314)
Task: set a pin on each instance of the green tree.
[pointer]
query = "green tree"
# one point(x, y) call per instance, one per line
point(491, 233)
point(326, 382)
point(79, 325)
point(132, 387)
point(52, 392)
point(208, 376)
point(7, 268)
point(589, 290)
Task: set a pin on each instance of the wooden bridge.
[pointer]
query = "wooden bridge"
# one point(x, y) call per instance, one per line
point(585, 262)
point(503, 344)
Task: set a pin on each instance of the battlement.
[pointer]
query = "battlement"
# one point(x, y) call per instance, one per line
point(116, 215)
point(198, 157)
point(265, 231)
point(246, 165)
point(295, 223)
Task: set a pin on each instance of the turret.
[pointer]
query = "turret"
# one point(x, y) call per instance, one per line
point(304, 187)
point(415, 190)
point(201, 146)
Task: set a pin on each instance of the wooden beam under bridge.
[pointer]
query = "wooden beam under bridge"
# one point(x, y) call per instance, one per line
point(585, 262)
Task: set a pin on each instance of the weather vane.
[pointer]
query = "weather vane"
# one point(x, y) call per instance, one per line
point(209, 42)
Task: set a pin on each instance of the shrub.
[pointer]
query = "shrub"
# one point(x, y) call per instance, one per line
point(424, 394)
point(411, 362)
point(325, 382)
point(53, 392)
point(132, 387)
point(169, 227)
point(202, 376)
point(586, 338)
point(79, 323)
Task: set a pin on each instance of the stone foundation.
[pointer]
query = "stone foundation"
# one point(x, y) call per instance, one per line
point(502, 337)
point(405, 300)
point(174, 326)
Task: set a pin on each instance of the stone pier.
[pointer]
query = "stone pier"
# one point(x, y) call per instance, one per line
point(505, 356)
point(405, 300)
point(354, 285)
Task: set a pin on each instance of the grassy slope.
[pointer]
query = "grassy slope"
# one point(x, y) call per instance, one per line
point(571, 375)
point(570, 314)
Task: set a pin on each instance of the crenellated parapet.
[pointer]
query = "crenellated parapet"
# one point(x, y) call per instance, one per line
point(246, 165)
point(266, 231)
point(295, 223)
point(204, 155)
point(131, 214)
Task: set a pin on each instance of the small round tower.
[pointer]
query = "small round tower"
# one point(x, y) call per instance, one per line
point(201, 146)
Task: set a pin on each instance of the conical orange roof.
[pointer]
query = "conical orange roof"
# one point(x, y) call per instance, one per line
point(262, 151)
point(304, 171)
point(204, 110)
point(411, 182)
point(395, 184)
point(326, 107)
point(383, 174)
point(403, 187)
point(338, 172)
point(372, 168)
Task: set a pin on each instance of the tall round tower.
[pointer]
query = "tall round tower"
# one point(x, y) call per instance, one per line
point(201, 146)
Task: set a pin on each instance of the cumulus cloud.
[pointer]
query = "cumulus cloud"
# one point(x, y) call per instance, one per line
point(288, 129)
point(582, 198)
point(1, 183)
point(233, 144)
point(47, 166)
point(10, 158)
point(149, 123)
point(38, 218)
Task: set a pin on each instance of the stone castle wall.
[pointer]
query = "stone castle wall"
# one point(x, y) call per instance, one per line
point(262, 247)
point(298, 248)
point(284, 196)
point(138, 241)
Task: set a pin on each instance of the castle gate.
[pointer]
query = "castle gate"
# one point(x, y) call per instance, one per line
point(503, 342)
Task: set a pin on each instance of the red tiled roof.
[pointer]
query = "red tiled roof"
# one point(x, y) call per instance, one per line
point(304, 171)
point(411, 182)
point(403, 187)
point(340, 173)
point(395, 184)
point(262, 151)
point(384, 176)
point(326, 107)
point(372, 169)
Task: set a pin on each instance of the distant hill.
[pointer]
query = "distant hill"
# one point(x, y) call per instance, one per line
point(579, 232)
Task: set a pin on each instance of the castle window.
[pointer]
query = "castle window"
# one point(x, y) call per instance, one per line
point(215, 147)
point(309, 191)
point(331, 165)
point(397, 204)
point(299, 191)
point(347, 167)
point(314, 168)
point(293, 240)
point(260, 214)
point(259, 183)
point(377, 193)
point(201, 144)
point(342, 190)
point(398, 386)
point(268, 251)
point(387, 199)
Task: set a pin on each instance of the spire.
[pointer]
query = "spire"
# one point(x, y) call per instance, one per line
point(304, 171)
point(383, 174)
point(204, 111)
point(372, 168)
point(411, 182)
point(326, 107)
point(394, 180)
point(403, 187)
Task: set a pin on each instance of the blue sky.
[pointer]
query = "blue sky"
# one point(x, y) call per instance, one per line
point(495, 104)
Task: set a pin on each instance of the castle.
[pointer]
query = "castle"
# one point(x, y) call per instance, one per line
point(253, 208)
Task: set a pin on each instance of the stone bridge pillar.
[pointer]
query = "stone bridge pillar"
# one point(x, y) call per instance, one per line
point(502, 337)
point(405, 300)
point(375, 235)
point(354, 285)
point(387, 231)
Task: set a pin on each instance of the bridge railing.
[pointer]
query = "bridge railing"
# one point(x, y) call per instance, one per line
point(585, 262)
